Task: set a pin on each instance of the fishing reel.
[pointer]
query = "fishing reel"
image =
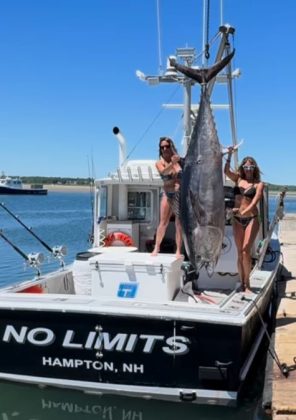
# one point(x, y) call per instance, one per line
point(59, 251)
point(190, 274)
point(35, 259)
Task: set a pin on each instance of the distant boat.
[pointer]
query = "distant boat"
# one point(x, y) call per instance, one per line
point(15, 186)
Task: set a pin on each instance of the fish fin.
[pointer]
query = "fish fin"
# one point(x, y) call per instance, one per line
point(199, 265)
point(203, 75)
point(210, 267)
point(217, 67)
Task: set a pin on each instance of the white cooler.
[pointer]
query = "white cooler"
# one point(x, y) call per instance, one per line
point(136, 275)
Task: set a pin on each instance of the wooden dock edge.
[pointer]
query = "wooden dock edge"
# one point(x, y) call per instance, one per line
point(279, 395)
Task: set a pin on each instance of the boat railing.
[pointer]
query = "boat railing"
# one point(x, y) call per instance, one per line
point(264, 244)
point(136, 175)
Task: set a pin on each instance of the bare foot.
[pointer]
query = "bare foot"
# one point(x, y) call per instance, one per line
point(246, 288)
point(179, 255)
point(154, 252)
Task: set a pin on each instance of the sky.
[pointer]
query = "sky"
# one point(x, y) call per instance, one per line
point(68, 76)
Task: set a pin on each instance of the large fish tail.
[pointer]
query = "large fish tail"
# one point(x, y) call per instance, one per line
point(203, 76)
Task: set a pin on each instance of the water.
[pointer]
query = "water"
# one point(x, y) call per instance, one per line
point(58, 219)
point(65, 218)
point(290, 204)
point(32, 403)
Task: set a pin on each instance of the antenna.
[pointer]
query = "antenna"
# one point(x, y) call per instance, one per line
point(221, 13)
point(159, 36)
point(91, 175)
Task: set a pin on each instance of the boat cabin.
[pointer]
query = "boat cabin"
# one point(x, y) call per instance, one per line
point(128, 202)
point(11, 182)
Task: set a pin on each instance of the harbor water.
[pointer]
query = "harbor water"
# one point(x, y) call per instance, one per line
point(65, 218)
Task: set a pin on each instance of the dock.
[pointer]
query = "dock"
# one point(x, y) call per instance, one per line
point(279, 396)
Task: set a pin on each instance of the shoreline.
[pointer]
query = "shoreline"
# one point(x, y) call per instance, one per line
point(88, 188)
point(288, 193)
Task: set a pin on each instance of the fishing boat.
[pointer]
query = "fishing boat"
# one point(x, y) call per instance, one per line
point(120, 321)
point(9, 185)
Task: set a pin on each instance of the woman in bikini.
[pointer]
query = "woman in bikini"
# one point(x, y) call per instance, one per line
point(170, 170)
point(248, 191)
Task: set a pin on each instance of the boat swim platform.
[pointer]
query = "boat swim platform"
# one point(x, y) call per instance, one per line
point(279, 396)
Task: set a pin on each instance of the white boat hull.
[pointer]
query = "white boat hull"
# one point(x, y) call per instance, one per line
point(176, 349)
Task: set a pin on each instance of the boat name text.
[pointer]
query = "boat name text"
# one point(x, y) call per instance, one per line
point(90, 364)
point(93, 340)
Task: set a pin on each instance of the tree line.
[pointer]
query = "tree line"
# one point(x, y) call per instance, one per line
point(56, 180)
point(274, 187)
point(89, 181)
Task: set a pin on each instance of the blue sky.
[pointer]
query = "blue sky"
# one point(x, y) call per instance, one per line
point(67, 76)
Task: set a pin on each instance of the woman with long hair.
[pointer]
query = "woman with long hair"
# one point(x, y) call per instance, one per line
point(248, 191)
point(170, 170)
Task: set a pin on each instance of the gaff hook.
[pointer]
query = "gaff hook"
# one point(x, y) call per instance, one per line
point(207, 51)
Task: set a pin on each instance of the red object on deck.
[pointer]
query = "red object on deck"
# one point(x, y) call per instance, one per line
point(32, 289)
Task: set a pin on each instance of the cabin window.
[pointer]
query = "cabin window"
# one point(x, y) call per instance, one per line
point(139, 205)
point(103, 201)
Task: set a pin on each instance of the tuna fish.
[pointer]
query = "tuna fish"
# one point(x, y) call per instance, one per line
point(202, 192)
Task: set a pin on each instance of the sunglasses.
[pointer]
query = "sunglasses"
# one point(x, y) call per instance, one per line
point(165, 146)
point(248, 167)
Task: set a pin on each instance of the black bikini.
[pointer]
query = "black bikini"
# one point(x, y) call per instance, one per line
point(244, 221)
point(169, 177)
point(249, 192)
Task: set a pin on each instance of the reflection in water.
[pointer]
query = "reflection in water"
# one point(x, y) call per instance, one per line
point(33, 403)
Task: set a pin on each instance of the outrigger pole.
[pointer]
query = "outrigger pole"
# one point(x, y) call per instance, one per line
point(58, 251)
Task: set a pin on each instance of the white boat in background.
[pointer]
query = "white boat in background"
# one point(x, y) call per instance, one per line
point(15, 186)
point(121, 321)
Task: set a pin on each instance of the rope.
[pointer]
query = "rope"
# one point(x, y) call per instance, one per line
point(102, 237)
point(207, 30)
point(150, 125)
point(282, 366)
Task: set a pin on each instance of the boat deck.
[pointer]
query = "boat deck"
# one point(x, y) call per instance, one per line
point(207, 305)
point(279, 392)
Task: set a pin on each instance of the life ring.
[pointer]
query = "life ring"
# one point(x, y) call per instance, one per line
point(118, 239)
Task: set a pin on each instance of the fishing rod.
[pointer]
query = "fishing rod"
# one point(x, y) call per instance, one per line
point(33, 260)
point(91, 175)
point(57, 251)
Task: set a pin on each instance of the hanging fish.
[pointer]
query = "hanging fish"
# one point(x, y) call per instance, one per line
point(202, 191)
